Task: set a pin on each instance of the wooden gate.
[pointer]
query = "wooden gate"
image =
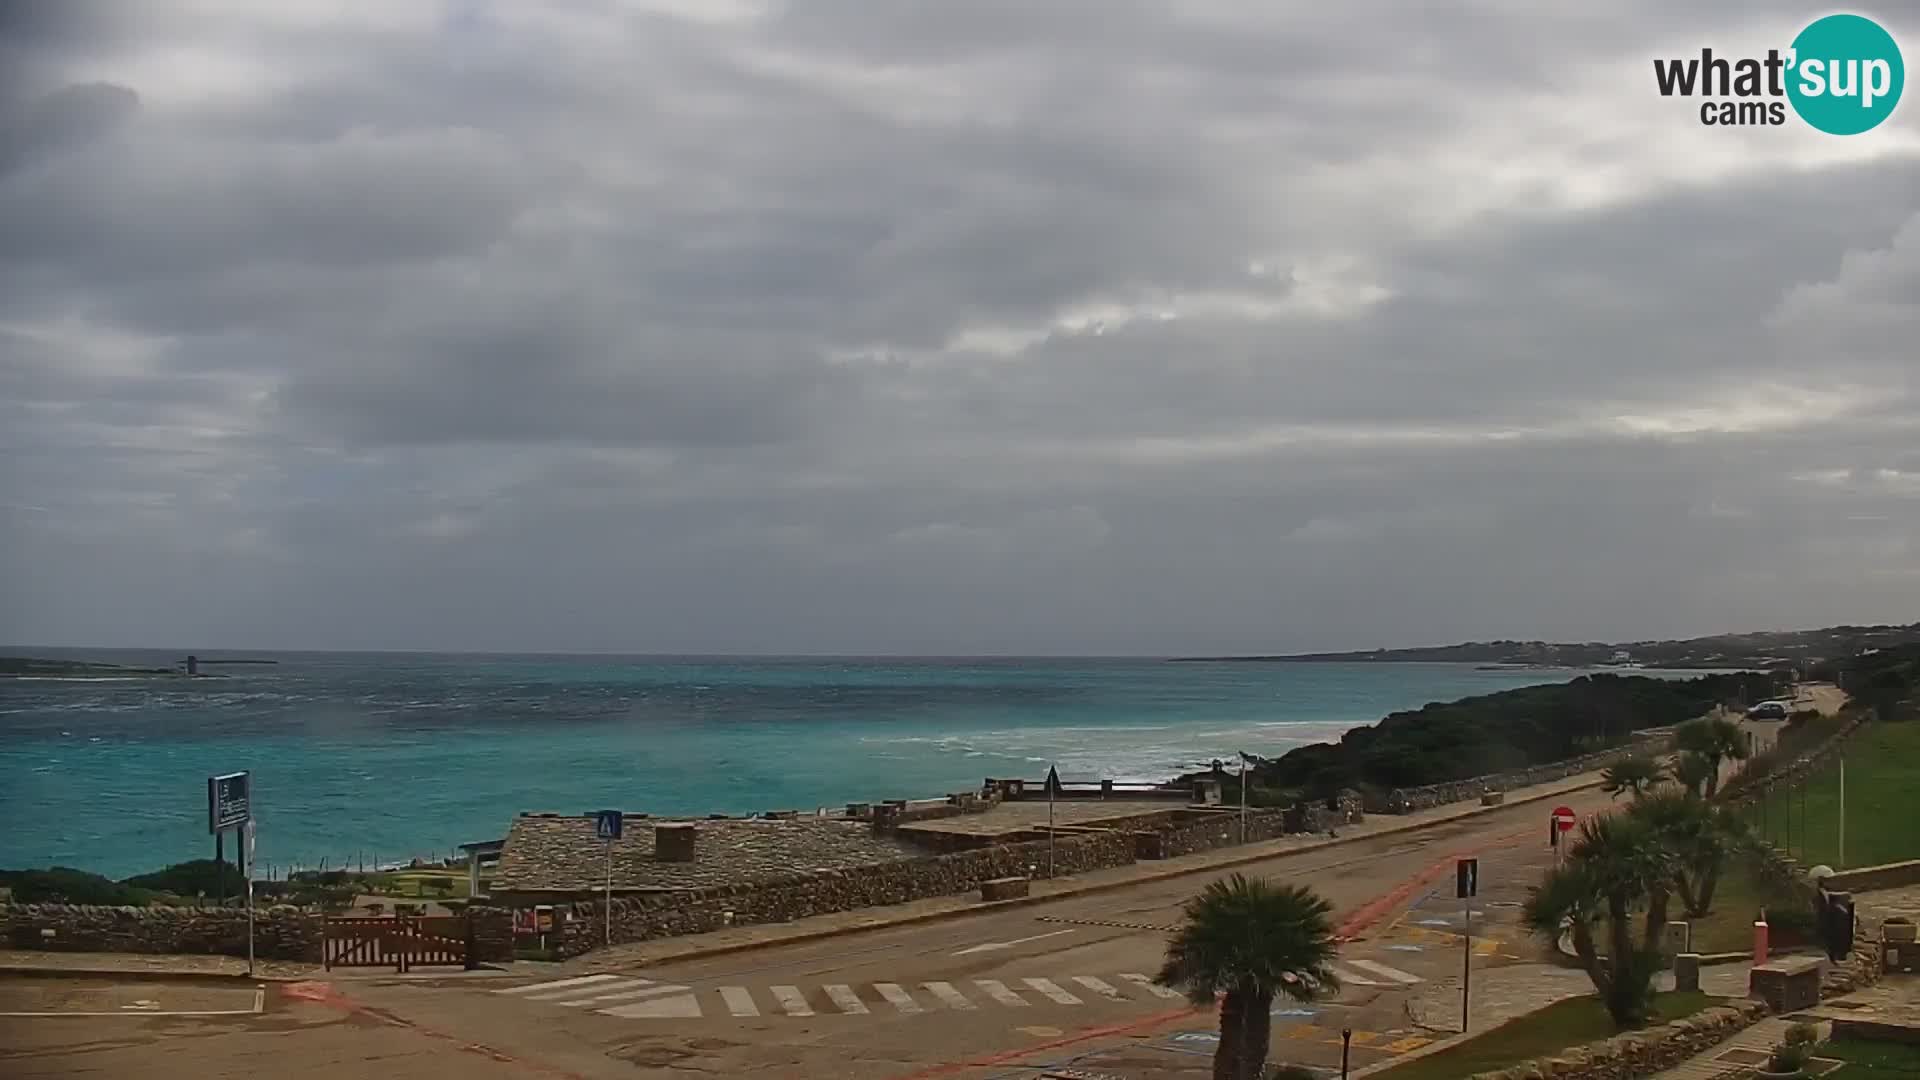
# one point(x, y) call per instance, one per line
point(399, 941)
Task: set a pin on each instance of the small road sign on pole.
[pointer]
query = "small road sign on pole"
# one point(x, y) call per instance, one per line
point(607, 825)
point(1466, 885)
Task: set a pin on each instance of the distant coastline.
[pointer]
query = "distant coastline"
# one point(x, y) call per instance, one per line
point(1722, 652)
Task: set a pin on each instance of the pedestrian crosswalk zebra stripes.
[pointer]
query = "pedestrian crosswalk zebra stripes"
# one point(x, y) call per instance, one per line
point(638, 998)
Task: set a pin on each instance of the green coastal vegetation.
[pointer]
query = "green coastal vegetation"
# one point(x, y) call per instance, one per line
point(1490, 733)
point(32, 667)
point(200, 881)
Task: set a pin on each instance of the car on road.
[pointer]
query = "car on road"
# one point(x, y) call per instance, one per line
point(1768, 710)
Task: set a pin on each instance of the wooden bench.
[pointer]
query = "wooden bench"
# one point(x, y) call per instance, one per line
point(1006, 888)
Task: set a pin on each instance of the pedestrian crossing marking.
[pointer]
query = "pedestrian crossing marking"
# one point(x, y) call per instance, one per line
point(998, 991)
point(1378, 968)
point(844, 997)
point(1401, 1046)
point(952, 998)
point(1362, 1038)
point(1099, 986)
point(684, 1007)
point(634, 997)
point(651, 989)
point(792, 1000)
point(581, 981)
point(1150, 986)
point(1052, 990)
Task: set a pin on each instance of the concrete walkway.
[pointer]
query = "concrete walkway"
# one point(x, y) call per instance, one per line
point(1717, 1062)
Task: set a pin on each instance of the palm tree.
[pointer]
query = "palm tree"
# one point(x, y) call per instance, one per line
point(1615, 866)
point(1250, 939)
point(1701, 837)
point(1635, 776)
point(1713, 739)
point(1694, 772)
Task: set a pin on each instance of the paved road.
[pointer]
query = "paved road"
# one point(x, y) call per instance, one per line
point(987, 995)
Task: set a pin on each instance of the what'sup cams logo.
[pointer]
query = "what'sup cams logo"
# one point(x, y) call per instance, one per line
point(1842, 75)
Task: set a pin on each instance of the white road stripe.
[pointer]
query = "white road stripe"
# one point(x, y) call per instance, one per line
point(1151, 986)
point(792, 1000)
point(952, 998)
point(1099, 986)
point(739, 1001)
point(581, 981)
point(587, 993)
point(844, 997)
point(684, 1007)
point(651, 990)
point(1350, 977)
point(998, 991)
point(1052, 990)
point(1378, 968)
point(901, 1000)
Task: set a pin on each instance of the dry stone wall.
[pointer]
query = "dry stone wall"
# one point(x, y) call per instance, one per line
point(1638, 1053)
point(695, 911)
point(280, 933)
point(1213, 830)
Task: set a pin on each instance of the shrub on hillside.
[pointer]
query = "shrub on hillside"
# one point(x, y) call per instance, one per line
point(66, 885)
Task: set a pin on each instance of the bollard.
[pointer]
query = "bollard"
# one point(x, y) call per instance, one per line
point(1760, 939)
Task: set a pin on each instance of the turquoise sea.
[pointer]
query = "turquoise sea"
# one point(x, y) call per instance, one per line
point(383, 757)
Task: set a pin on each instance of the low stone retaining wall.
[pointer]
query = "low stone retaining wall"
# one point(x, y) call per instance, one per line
point(1636, 1054)
point(694, 911)
point(1884, 876)
point(1205, 831)
point(1408, 800)
point(279, 933)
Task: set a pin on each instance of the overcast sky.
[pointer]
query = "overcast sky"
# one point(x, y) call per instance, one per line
point(958, 327)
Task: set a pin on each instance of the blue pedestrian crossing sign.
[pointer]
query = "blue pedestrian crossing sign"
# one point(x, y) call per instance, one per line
point(606, 824)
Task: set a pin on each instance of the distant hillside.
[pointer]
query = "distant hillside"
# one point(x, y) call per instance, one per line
point(1769, 649)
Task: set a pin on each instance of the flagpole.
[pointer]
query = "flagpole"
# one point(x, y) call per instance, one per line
point(1243, 798)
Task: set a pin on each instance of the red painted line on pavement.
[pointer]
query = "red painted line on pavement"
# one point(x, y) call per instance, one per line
point(325, 993)
point(1371, 912)
point(1079, 1036)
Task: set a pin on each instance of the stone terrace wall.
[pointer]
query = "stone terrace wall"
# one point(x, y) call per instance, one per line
point(1884, 876)
point(280, 933)
point(1407, 800)
point(1209, 831)
point(700, 910)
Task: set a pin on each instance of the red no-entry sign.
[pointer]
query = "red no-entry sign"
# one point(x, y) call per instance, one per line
point(1563, 818)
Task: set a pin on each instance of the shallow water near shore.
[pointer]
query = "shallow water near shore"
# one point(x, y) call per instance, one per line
point(383, 757)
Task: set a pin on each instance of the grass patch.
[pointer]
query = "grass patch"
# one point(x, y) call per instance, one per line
point(1556, 1027)
point(1883, 799)
point(1728, 927)
point(419, 884)
point(1870, 1059)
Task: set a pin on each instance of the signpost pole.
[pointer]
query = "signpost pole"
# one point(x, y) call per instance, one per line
point(1243, 799)
point(1466, 964)
point(249, 875)
point(1842, 859)
point(609, 914)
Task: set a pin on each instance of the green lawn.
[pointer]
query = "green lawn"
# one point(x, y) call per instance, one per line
point(1871, 1060)
point(1883, 799)
point(1556, 1027)
point(413, 883)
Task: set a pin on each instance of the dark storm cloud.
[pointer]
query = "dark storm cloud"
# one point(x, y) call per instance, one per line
point(936, 327)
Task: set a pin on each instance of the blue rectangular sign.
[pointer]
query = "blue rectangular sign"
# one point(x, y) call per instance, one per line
point(606, 824)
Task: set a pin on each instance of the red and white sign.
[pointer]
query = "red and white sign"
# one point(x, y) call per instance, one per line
point(1563, 818)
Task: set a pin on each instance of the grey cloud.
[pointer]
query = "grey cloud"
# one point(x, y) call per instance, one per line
point(840, 329)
